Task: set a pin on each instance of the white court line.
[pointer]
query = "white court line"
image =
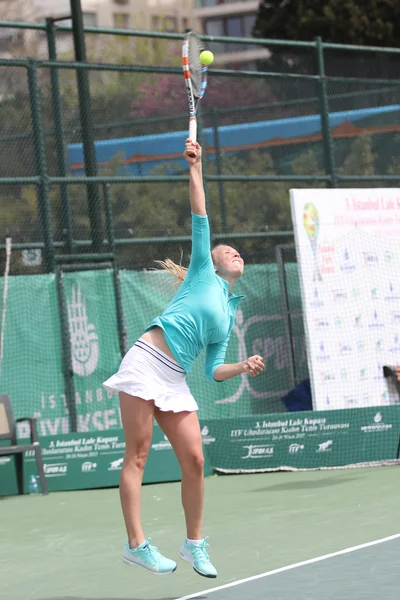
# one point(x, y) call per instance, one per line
point(294, 566)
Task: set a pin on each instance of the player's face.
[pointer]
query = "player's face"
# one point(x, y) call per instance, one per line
point(228, 261)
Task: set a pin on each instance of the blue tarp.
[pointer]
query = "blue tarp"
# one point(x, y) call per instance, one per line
point(166, 148)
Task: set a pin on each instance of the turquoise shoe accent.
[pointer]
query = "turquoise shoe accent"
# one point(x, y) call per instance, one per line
point(149, 557)
point(197, 556)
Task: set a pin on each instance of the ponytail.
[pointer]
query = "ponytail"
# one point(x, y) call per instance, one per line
point(176, 270)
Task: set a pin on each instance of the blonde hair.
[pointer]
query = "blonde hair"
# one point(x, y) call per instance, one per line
point(177, 271)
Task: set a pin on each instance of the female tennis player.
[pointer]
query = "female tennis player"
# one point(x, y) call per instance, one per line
point(151, 382)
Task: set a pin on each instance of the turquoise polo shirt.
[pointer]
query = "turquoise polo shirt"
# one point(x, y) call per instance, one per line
point(203, 312)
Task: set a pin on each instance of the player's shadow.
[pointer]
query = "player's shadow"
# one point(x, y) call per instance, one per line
point(307, 485)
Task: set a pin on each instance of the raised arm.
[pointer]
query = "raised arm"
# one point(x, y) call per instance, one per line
point(192, 155)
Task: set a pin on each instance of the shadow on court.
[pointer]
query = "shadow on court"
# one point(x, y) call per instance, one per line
point(307, 485)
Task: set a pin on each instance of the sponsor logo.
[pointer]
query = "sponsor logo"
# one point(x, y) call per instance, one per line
point(84, 340)
point(325, 446)
point(294, 448)
point(116, 465)
point(363, 374)
point(374, 293)
point(361, 345)
point(206, 437)
point(392, 294)
point(350, 401)
point(339, 321)
point(321, 324)
point(356, 292)
point(322, 354)
point(379, 345)
point(395, 316)
point(370, 259)
point(367, 398)
point(395, 347)
point(378, 372)
point(358, 321)
point(55, 469)
point(378, 425)
point(344, 374)
point(240, 329)
point(389, 256)
point(339, 295)
point(31, 258)
point(384, 397)
point(326, 377)
point(316, 303)
point(88, 467)
point(163, 445)
point(345, 349)
point(375, 321)
point(257, 451)
point(4, 460)
point(347, 266)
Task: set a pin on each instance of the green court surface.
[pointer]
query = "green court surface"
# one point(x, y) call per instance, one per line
point(283, 536)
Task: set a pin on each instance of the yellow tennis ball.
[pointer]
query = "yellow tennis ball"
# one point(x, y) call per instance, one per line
point(206, 57)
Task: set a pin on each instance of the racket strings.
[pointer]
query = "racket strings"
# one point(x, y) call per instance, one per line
point(195, 66)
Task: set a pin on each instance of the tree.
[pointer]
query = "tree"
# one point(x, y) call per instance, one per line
point(359, 160)
point(394, 165)
point(362, 22)
point(166, 95)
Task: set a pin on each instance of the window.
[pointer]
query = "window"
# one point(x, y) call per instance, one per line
point(248, 23)
point(234, 27)
point(169, 24)
point(239, 26)
point(89, 19)
point(204, 3)
point(214, 27)
point(121, 21)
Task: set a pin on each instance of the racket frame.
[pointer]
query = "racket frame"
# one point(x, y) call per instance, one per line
point(192, 98)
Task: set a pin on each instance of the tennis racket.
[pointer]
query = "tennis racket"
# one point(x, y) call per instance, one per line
point(195, 77)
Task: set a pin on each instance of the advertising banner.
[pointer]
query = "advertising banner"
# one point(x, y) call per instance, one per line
point(32, 367)
point(348, 251)
point(305, 440)
point(81, 461)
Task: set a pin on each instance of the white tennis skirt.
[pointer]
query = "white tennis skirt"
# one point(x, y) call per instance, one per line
point(150, 374)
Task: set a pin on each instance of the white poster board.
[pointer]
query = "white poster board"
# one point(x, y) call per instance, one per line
point(348, 252)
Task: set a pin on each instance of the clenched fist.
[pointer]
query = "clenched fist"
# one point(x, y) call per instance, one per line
point(254, 365)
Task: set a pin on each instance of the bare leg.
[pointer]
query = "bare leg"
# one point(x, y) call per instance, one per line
point(137, 417)
point(183, 431)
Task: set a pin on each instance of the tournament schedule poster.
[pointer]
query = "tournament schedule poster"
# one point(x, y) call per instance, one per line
point(348, 253)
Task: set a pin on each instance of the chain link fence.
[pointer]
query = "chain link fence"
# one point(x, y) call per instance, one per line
point(276, 115)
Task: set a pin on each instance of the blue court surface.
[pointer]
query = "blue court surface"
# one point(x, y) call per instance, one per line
point(370, 571)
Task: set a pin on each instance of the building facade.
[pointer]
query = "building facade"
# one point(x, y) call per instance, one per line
point(166, 15)
point(230, 18)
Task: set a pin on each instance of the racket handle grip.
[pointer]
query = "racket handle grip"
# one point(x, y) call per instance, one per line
point(193, 130)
